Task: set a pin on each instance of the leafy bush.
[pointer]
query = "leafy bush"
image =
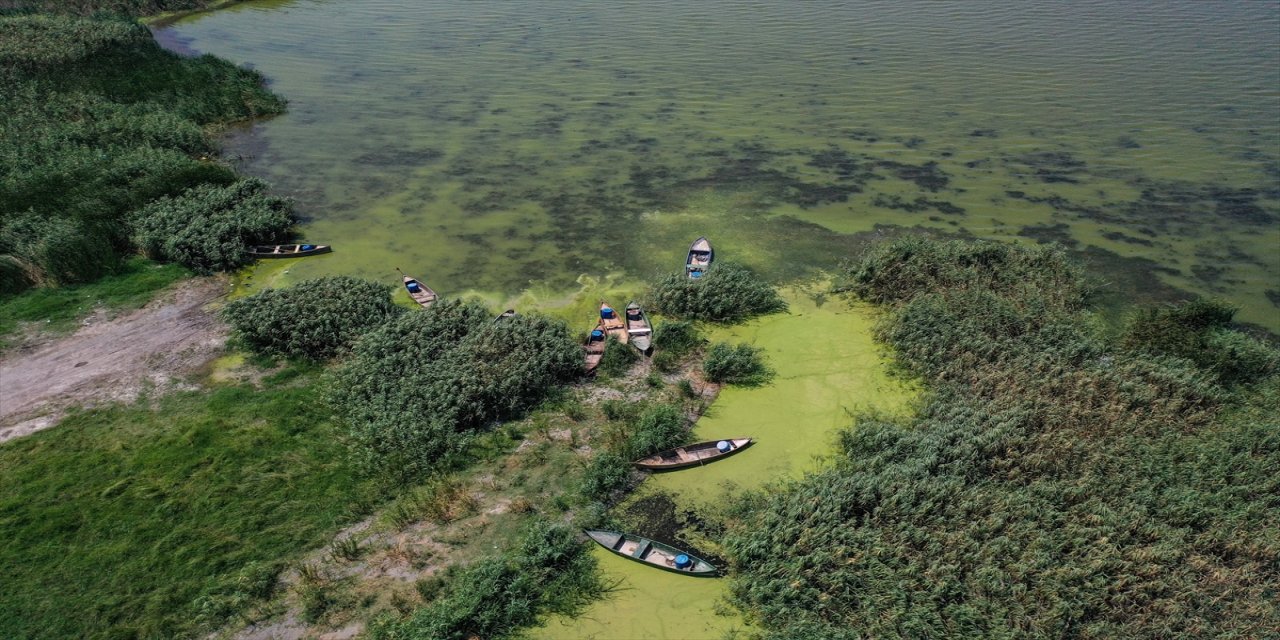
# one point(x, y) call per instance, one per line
point(1199, 331)
point(416, 389)
point(661, 426)
point(677, 337)
point(728, 293)
point(742, 364)
point(617, 359)
point(315, 319)
point(605, 478)
point(208, 228)
point(1054, 484)
point(550, 571)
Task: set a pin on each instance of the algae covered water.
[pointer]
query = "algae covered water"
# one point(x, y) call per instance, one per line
point(517, 148)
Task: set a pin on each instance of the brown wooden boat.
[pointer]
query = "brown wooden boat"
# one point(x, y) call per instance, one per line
point(693, 455)
point(421, 293)
point(612, 323)
point(638, 330)
point(267, 251)
point(509, 313)
point(594, 348)
point(700, 256)
point(652, 553)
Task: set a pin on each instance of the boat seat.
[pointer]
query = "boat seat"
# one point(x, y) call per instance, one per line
point(641, 550)
point(618, 545)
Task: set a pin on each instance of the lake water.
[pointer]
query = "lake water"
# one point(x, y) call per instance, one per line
point(528, 149)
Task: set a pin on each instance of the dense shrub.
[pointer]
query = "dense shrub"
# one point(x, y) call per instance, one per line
point(643, 431)
point(1054, 485)
point(1199, 331)
point(550, 571)
point(742, 364)
point(208, 228)
point(99, 121)
point(314, 319)
point(677, 337)
point(728, 293)
point(416, 389)
point(617, 359)
point(659, 427)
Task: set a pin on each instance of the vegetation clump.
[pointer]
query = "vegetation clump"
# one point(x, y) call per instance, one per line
point(617, 359)
point(1200, 331)
point(639, 431)
point(740, 364)
point(99, 123)
point(208, 228)
point(314, 319)
point(417, 388)
point(728, 293)
point(1058, 482)
point(550, 571)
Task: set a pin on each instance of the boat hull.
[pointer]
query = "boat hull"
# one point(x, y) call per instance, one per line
point(269, 252)
point(675, 459)
point(651, 553)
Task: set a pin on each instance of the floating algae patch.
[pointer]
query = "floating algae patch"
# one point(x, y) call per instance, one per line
point(828, 366)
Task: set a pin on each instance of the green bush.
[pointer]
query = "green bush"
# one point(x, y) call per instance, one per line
point(660, 427)
point(677, 337)
point(1053, 485)
point(549, 571)
point(617, 359)
point(208, 228)
point(728, 293)
point(742, 365)
point(415, 390)
point(314, 319)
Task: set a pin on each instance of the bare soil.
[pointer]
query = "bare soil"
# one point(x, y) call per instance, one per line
point(111, 359)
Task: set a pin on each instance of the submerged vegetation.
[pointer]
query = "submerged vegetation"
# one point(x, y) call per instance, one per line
point(728, 293)
point(104, 152)
point(1057, 483)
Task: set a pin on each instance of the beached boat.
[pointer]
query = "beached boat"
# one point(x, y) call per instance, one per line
point(693, 455)
point(594, 348)
point(700, 257)
point(611, 323)
point(638, 330)
point(504, 315)
point(421, 293)
point(652, 553)
point(287, 250)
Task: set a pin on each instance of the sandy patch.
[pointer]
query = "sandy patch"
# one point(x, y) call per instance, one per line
point(111, 360)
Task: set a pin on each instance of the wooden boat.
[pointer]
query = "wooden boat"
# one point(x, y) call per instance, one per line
point(700, 256)
point(652, 553)
point(504, 315)
point(594, 348)
point(421, 293)
point(693, 455)
point(638, 330)
point(612, 324)
point(263, 251)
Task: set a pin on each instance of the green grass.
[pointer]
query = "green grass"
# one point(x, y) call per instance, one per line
point(139, 522)
point(62, 307)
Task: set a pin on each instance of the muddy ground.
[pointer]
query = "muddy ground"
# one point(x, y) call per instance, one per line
point(111, 359)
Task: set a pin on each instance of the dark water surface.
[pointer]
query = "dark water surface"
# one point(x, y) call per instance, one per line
point(498, 147)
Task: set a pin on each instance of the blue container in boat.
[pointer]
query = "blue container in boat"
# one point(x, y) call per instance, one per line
point(682, 561)
point(723, 446)
point(308, 247)
point(596, 333)
point(606, 313)
point(413, 287)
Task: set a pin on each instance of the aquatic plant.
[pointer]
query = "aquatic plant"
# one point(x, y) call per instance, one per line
point(314, 319)
point(728, 293)
point(1200, 331)
point(740, 364)
point(1056, 483)
point(617, 359)
point(417, 388)
point(99, 122)
point(209, 228)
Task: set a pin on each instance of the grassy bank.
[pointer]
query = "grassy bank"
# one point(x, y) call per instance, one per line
point(155, 522)
point(1061, 481)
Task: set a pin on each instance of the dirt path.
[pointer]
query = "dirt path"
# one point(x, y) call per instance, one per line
point(111, 360)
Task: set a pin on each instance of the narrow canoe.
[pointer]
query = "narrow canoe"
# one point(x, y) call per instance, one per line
point(652, 553)
point(504, 315)
point(266, 251)
point(421, 293)
point(612, 323)
point(700, 256)
point(638, 330)
point(692, 455)
point(594, 348)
